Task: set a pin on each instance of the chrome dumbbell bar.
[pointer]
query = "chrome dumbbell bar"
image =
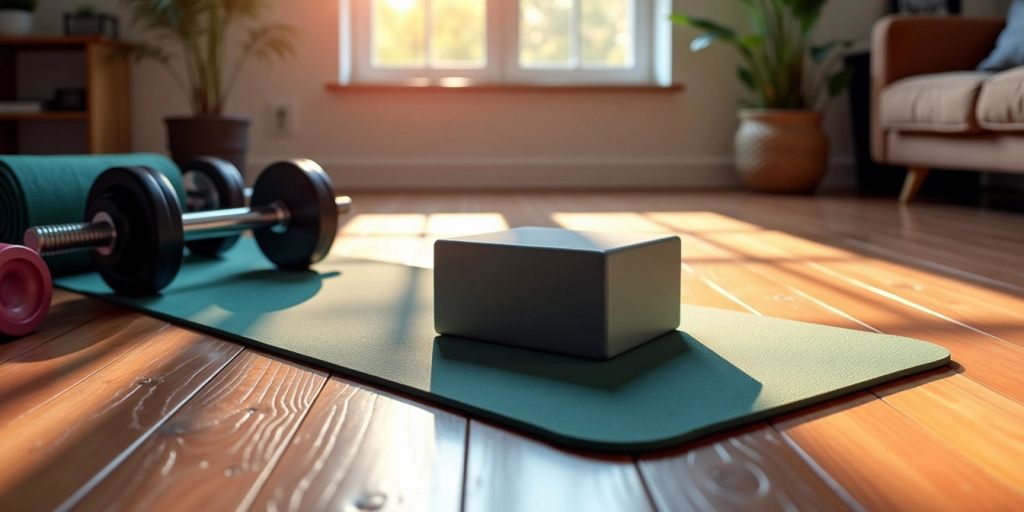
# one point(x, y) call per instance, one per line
point(101, 233)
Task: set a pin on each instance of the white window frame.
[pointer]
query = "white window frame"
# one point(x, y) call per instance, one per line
point(651, 66)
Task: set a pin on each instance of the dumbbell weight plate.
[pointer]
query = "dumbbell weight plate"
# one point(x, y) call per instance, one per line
point(148, 250)
point(26, 290)
point(304, 188)
point(212, 184)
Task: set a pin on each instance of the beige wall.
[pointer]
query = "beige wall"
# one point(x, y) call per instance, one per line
point(477, 138)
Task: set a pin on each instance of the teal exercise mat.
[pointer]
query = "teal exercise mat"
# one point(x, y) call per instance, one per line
point(374, 321)
point(52, 189)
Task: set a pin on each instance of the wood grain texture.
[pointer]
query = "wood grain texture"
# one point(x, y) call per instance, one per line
point(67, 311)
point(982, 425)
point(986, 358)
point(752, 469)
point(360, 450)
point(507, 472)
point(45, 372)
point(56, 452)
point(959, 434)
point(756, 277)
point(919, 473)
point(944, 440)
point(109, 100)
point(217, 450)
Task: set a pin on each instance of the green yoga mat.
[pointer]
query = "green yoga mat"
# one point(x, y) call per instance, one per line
point(374, 321)
point(38, 190)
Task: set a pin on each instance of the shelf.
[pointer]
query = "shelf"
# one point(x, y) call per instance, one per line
point(45, 116)
point(36, 42)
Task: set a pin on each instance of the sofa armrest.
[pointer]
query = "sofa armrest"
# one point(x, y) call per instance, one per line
point(904, 46)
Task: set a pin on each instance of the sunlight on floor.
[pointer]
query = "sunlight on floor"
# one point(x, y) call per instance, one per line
point(772, 272)
point(408, 238)
point(728, 262)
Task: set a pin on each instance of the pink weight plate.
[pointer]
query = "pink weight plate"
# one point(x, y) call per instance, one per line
point(25, 290)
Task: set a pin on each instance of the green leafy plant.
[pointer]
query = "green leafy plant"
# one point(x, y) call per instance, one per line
point(781, 68)
point(85, 11)
point(18, 5)
point(200, 31)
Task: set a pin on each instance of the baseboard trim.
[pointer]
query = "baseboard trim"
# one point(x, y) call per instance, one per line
point(519, 173)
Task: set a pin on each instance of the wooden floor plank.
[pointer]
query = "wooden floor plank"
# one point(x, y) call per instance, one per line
point(67, 311)
point(751, 469)
point(59, 450)
point(940, 440)
point(373, 440)
point(987, 359)
point(507, 472)
point(45, 372)
point(955, 431)
point(362, 450)
point(971, 418)
point(756, 287)
point(217, 450)
point(962, 256)
point(842, 218)
point(912, 472)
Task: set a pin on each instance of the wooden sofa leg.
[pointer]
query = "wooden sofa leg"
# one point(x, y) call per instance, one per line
point(912, 184)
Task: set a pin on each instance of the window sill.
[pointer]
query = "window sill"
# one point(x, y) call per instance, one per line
point(507, 87)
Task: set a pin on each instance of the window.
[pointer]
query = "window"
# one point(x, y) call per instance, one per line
point(456, 42)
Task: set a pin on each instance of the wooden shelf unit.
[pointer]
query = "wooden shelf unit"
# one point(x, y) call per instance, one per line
point(107, 118)
point(45, 116)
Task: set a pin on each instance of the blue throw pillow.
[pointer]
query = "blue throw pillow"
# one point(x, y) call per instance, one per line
point(1009, 52)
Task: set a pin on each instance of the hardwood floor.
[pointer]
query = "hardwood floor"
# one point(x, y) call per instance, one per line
point(105, 409)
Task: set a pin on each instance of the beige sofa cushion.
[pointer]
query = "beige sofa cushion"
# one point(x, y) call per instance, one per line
point(1001, 102)
point(941, 102)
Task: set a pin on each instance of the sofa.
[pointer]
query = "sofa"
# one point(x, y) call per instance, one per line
point(932, 110)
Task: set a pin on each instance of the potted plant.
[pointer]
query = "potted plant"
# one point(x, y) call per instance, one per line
point(780, 144)
point(208, 71)
point(16, 17)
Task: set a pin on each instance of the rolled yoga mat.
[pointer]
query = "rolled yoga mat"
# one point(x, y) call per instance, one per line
point(375, 321)
point(38, 190)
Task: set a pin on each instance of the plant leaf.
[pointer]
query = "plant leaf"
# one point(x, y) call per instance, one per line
point(746, 78)
point(705, 24)
point(821, 52)
point(268, 42)
point(838, 82)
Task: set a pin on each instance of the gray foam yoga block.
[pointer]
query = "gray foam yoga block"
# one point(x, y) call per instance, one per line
point(592, 295)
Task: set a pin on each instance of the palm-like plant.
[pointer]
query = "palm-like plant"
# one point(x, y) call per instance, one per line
point(781, 68)
point(200, 30)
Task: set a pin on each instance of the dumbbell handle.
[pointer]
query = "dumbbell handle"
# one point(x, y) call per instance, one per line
point(61, 238)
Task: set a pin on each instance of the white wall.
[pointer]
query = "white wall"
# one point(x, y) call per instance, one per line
point(480, 138)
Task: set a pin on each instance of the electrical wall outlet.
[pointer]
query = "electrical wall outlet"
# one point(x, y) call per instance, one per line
point(282, 117)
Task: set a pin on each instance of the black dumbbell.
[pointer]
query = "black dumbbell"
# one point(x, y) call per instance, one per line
point(213, 184)
point(137, 233)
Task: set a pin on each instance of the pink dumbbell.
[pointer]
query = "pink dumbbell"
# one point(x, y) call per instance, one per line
point(25, 290)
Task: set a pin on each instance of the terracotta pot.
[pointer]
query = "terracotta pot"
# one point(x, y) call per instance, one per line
point(222, 137)
point(781, 150)
point(15, 22)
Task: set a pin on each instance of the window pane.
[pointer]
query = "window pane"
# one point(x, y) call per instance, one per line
point(459, 39)
point(398, 39)
point(606, 33)
point(545, 33)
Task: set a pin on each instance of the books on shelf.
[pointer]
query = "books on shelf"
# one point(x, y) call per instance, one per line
point(20, 107)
